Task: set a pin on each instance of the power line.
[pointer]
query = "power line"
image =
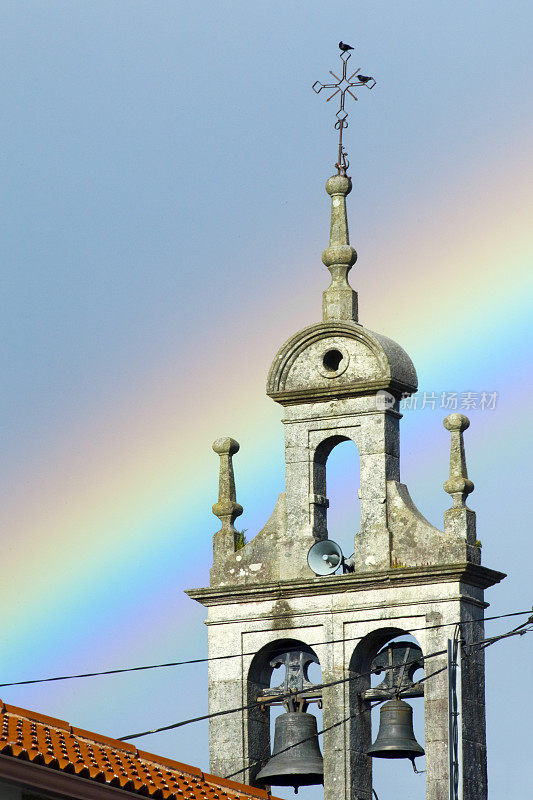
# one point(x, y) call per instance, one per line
point(518, 631)
point(240, 655)
point(279, 697)
point(334, 725)
point(309, 738)
point(482, 643)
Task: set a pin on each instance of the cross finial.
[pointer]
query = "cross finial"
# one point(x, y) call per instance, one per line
point(343, 86)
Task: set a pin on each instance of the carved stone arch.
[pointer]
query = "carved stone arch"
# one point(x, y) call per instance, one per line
point(328, 443)
point(360, 724)
point(261, 668)
point(258, 746)
point(319, 457)
point(318, 465)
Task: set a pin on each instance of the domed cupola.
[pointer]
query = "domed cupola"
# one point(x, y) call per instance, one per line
point(339, 357)
point(286, 597)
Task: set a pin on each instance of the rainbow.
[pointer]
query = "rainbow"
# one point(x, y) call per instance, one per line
point(114, 520)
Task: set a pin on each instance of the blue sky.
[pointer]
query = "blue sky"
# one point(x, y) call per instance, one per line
point(163, 167)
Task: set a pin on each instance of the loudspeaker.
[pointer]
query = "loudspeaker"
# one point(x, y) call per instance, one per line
point(325, 557)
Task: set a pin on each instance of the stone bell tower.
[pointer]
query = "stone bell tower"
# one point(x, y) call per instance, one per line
point(336, 381)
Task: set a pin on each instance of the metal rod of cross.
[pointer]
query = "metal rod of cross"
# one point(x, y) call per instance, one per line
point(343, 85)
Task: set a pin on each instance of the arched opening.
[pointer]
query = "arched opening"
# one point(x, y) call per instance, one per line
point(283, 664)
point(337, 477)
point(387, 776)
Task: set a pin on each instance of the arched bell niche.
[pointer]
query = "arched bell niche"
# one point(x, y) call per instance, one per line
point(280, 665)
point(382, 649)
point(336, 476)
point(337, 465)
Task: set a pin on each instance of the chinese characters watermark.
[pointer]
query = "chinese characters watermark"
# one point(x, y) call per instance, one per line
point(447, 401)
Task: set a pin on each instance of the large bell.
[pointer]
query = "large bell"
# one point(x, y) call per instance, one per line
point(294, 764)
point(396, 737)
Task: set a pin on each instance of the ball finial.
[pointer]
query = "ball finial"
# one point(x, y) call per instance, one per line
point(339, 184)
point(456, 422)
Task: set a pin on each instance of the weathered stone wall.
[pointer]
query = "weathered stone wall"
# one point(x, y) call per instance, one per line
point(339, 381)
point(342, 610)
point(393, 532)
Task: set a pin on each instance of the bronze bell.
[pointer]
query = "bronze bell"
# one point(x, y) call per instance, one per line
point(294, 764)
point(396, 737)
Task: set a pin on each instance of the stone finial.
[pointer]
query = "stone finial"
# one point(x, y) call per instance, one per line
point(227, 509)
point(457, 485)
point(459, 519)
point(339, 301)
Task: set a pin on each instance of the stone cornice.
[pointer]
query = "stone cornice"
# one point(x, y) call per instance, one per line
point(467, 573)
point(355, 389)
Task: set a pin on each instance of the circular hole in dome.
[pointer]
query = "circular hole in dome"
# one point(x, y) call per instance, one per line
point(332, 360)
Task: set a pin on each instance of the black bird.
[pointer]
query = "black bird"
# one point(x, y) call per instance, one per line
point(345, 47)
point(364, 78)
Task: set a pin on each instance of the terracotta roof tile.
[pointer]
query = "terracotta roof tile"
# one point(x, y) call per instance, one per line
point(33, 715)
point(97, 737)
point(54, 743)
point(168, 762)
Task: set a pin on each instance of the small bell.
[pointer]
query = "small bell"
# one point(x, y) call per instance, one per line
point(296, 758)
point(396, 737)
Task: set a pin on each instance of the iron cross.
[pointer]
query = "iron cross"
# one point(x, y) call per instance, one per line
point(344, 85)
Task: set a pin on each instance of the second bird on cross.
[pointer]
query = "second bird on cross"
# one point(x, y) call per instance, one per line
point(345, 47)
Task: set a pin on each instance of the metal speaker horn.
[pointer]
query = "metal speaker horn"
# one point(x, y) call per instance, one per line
point(296, 757)
point(396, 737)
point(325, 557)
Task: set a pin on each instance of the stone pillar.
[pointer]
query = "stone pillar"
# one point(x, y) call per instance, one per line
point(226, 540)
point(472, 731)
point(358, 763)
point(436, 708)
point(225, 691)
point(459, 519)
point(379, 452)
point(472, 703)
point(339, 301)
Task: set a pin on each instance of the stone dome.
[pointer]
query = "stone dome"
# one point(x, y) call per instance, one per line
point(339, 359)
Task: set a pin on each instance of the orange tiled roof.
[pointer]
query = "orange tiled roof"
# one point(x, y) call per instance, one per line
point(56, 744)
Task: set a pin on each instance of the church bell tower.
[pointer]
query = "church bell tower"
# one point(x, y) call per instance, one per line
point(338, 381)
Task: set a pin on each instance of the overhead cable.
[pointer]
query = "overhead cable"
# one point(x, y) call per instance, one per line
point(518, 631)
point(482, 643)
point(240, 655)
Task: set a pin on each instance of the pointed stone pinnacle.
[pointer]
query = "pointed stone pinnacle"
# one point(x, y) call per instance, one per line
point(339, 301)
